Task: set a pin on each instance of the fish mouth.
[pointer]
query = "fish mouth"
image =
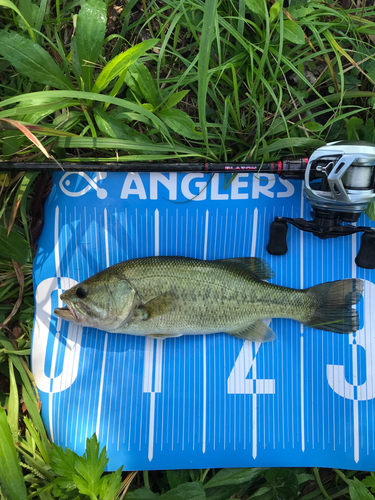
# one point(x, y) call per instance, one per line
point(67, 313)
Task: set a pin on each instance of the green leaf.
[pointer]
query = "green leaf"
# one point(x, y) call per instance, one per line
point(194, 474)
point(63, 462)
point(10, 5)
point(84, 487)
point(313, 126)
point(141, 494)
point(293, 32)
point(145, 82)
point(14, 246)
point(177, 477)
point(234, 476)
point(85, 473)
point(121, 63)
point(91, 467)
point(263, 493)
point(274, 11)
point(111, 127)
point(132, 84)
point(370, 211)
point(358, 491)
point(89, 37)
point(301, 11)
point(257, 6)
point(191, 491)
point(12, 141)
point(32, 61)
point(11, 479)
point(110, 485)
point(179, 122)
point(34, 16)
point(284, 483)
point(352, 126)
point(304, 477)
point(221, 492)
point(176, 98)
point(369, 481)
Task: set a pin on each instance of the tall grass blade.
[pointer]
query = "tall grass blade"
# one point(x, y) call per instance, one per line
point(32, 408)
point(208, 29)
point(27, 391)
point(41, 14)
point(119, 144)
point(28, 134)
point(122, 103)
point(34, 434)
point(20, 201)
point(11, 479)
point(13, 403)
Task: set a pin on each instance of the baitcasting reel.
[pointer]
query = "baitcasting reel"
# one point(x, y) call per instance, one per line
point(339, 185)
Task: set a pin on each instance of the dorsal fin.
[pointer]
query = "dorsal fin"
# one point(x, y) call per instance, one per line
point(259, 268)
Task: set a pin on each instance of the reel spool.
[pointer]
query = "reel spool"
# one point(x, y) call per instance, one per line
point(339, 185)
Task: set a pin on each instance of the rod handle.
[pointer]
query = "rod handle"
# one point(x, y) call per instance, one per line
point(277, 244)
point(366, 255)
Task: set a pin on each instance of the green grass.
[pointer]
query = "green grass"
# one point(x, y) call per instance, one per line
point(172, 80)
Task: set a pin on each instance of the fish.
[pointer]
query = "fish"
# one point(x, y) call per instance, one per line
point(166, 297)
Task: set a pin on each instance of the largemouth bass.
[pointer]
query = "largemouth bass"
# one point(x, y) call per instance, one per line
point(172, 296)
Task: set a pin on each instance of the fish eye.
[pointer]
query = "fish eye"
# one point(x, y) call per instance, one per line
point(81, 292)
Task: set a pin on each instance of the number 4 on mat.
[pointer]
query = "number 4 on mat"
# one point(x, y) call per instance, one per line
point(238, 383)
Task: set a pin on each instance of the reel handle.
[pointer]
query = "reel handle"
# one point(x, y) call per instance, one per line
point(366, 255)
point(277, 244)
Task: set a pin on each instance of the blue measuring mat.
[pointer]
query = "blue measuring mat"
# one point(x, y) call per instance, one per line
point(305, 399)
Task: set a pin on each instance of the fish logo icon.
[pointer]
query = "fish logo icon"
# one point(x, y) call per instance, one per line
point(66, 184)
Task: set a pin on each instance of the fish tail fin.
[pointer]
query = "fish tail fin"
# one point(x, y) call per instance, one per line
point(333, 310)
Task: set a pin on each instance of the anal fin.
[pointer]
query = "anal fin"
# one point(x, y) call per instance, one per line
point(255, 332)
point(164, 335)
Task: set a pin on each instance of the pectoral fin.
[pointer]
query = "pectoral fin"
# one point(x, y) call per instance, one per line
point(156, 307)
point(255, 332)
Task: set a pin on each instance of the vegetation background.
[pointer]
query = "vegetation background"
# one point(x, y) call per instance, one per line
point(151, 80)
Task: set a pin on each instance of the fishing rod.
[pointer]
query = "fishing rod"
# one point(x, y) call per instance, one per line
point(293, 168)
point(339, 184)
